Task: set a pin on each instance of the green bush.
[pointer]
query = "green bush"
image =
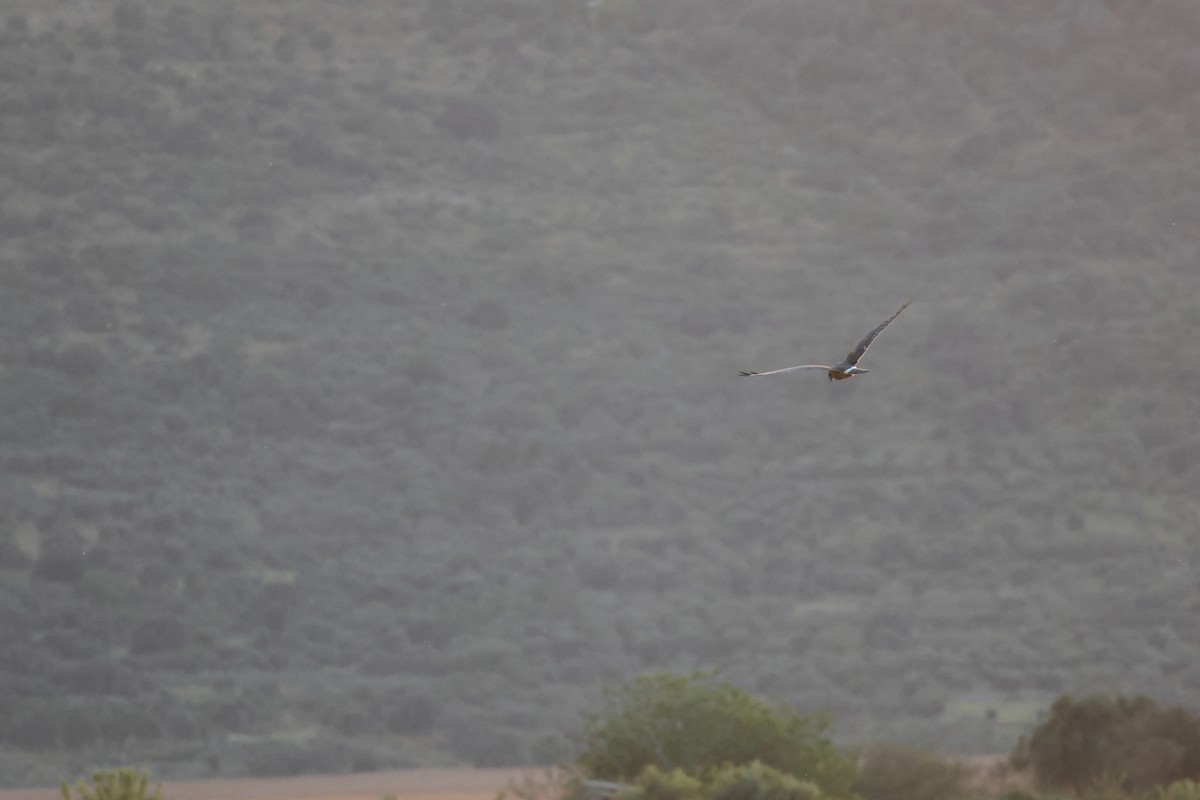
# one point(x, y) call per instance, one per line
point(889, 771)
point(697, 725)
point(116, 784)
point(755, 781)
point(1179, 790)
point(655, 784)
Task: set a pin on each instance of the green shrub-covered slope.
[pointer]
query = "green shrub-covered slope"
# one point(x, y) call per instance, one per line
point(368, 369)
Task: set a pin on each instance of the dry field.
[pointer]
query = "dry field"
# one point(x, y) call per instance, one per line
point(409, 784)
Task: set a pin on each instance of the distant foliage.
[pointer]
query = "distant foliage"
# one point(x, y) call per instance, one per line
point(487, 745)
point(410, 713)
point(129, 16)
point(11, 556)
point(1100, 739)
point(158, 635)
point(63, 567)
point(696, 724)
point(16, 25)
point(631, 16)
point(80, 361)
point(117, 784)
point(489, 313)
point(889, 771)
point(469, 118)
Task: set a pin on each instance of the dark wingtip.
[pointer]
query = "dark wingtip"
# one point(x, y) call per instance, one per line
point(747, 374)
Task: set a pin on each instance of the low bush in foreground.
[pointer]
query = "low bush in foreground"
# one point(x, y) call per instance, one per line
point(116, 784)
point(889, 771)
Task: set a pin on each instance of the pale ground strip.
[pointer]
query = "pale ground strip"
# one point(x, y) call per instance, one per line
point(422, 784)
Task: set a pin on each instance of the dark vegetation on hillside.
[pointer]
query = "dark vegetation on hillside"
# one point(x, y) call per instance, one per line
point(369, 369)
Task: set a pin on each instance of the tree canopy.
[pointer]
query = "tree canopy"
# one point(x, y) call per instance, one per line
point(1098, 738)
point(698, 724)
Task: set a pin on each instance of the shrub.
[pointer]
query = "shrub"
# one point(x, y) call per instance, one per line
point(630, 16)
point(889, 771)
point(551, 784)
point(117, 784)
point(11, 556)
point(129, 16)
point(322, 753)
point(158, 635)
point(490, 314)
point(61, 567)
point(410, 713)
point(189, 138)
point(80, 360)
point(696, 725)
point(1179, 790)
point(17, 25)
point(655, 784)
point(442, 18)
point(469, 118)
point(1083, 743)
point(483, 745)
point(754, 781)
point(1109, 788)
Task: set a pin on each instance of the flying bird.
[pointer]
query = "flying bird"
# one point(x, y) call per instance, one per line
point(848, 368)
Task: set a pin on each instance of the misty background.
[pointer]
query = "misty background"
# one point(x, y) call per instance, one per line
point(369, 388)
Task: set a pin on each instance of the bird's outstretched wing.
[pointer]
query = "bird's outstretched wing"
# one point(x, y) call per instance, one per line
point(854, 355)
point(785, 369)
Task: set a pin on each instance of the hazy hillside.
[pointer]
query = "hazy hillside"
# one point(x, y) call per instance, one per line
point(370, 387)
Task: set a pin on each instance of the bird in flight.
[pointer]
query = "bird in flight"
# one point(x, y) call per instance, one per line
point(849, 367)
